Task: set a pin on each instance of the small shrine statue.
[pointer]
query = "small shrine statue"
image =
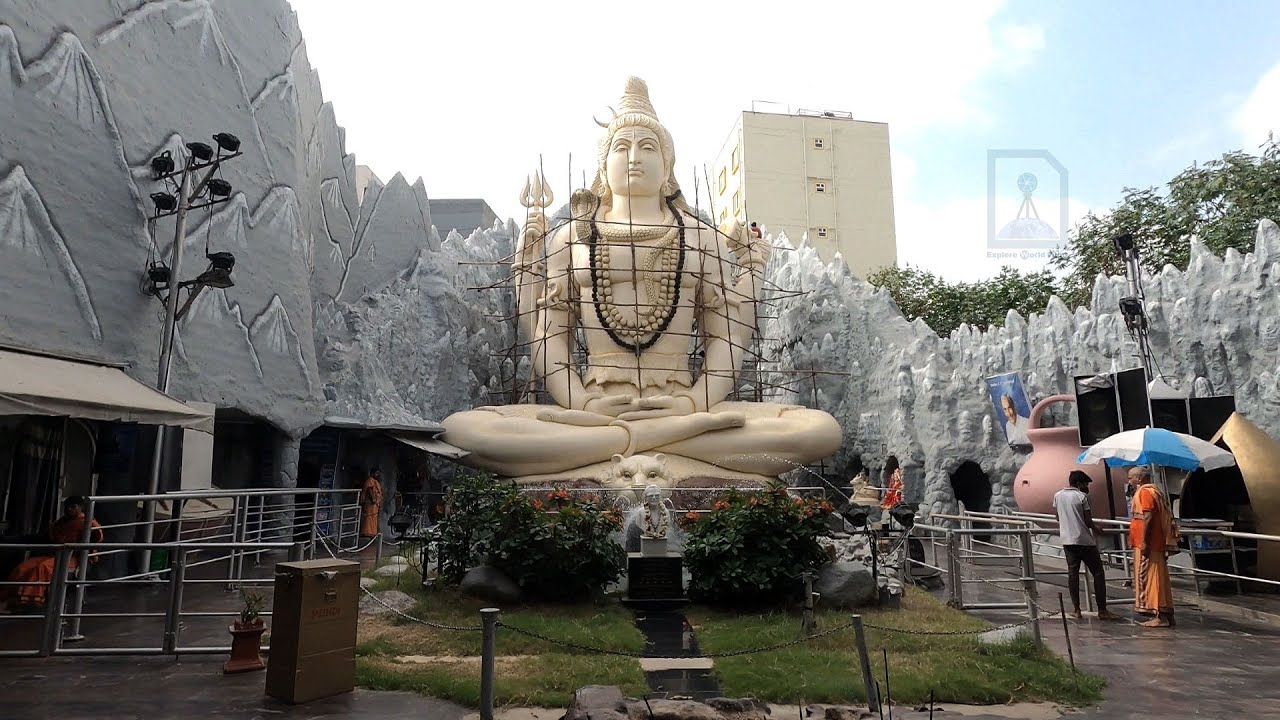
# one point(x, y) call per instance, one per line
point(657, 516)
point(614, 304)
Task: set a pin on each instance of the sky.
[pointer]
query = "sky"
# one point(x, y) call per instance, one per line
point(475, 96)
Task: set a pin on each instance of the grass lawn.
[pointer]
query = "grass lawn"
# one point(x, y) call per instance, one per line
point(957, 668)
point(529, 671)
point(532, 672)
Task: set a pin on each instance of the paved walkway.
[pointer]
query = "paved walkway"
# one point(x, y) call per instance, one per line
point(160, 689)
point(1208, 666)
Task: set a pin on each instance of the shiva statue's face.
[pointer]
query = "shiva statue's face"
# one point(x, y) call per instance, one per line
point(634, 166)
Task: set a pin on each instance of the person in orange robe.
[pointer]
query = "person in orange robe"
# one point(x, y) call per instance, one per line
point(371, 504)
point(38, 571)
point(1153, 536)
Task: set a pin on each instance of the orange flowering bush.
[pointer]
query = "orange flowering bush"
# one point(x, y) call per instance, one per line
point(752, 547)
point(568, 554)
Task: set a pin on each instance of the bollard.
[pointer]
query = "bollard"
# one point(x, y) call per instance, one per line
point(173, 613)
point(56, 598)
point(489, 628)
point(297, 552)
point(809, 627)
point(864, 661)
point(1033, 608)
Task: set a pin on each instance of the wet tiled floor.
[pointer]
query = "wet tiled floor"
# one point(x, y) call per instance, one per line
point(1208, 666)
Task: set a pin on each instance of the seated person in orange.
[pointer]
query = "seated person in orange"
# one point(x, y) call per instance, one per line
point(38, 570)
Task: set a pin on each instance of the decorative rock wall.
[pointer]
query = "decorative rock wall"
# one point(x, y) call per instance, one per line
point(910, 393)
point(339, 308)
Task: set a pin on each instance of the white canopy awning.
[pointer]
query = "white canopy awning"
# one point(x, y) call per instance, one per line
point(432, 445)
point(42, 385)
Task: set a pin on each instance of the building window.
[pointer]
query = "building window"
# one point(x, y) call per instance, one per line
point(724, 215)
point(822, 232)
point(737, 202)
point(820, 187)
point(817, 143)
point(735, 157)
point(724, 179)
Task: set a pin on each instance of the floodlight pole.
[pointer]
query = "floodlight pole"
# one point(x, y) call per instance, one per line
point(1133, 273)
point(166, 357)
point(171, 315)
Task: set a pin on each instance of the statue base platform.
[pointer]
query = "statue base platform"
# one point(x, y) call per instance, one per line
point(693, 484)
point(655, 582)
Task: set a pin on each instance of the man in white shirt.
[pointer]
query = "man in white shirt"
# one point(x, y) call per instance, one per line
point(1075, 526)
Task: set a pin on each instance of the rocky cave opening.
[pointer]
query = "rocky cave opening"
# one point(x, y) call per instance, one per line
point(972, 489)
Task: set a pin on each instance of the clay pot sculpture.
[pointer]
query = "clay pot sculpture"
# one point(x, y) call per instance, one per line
point(246, 647)
point(1053, 456)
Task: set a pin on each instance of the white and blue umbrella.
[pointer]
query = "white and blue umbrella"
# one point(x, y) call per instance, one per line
point(1155, 446)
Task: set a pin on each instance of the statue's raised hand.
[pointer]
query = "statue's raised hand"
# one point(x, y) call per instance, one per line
point(658, 406)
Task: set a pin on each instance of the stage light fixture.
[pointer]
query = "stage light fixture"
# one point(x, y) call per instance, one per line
point(162, 164)
point(227, 141)
point(164, 201)
point(219, 188)
point(201, 151)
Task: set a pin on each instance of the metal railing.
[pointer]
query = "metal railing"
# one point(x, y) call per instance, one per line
point(204, 531)
point(1016, 540)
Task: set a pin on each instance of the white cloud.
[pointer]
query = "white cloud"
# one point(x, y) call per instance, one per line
point(473, 97)
point(1260, 112)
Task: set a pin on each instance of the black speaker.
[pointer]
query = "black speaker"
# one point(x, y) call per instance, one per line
point(1098, 409)
point(1171, 415)
point(1209, 413)
point(1131, 387)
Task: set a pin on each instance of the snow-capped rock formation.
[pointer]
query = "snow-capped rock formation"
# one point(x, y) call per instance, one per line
point(339, 307)
point(922, 398)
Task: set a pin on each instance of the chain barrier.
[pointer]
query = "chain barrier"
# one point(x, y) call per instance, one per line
point(628, 654)
point(439, 626)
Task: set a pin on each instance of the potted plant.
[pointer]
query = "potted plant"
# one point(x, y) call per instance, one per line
point(246, 635)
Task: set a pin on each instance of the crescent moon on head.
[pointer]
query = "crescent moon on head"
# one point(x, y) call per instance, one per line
point(605, 124)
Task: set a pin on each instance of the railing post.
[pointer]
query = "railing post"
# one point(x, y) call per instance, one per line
point(82, 573)
point(55, 599)
point(235, 537)
point(1033, 608)
point(1028, 554)
point(262, 512)
point(311, 534)
point(173, 613)
point(864, 663)
point(489, 629)
point(953, 565)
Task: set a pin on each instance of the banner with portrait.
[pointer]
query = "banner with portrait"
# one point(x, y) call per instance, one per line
point(1012, 408)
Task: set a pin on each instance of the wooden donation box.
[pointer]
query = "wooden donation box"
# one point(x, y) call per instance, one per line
point(313, 630)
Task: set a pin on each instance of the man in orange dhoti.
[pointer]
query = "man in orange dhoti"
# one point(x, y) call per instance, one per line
point(371, 504)
point(1153, 536)
point(39, 570)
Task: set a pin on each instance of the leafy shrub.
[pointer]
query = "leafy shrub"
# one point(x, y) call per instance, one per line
point(564, 551)
point(751, 549)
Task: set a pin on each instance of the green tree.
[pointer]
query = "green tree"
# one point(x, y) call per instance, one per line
point(946, 305)
point(1220, 202)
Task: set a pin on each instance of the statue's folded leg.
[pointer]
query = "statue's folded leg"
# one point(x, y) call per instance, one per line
point(512, 441)
point(786, 438)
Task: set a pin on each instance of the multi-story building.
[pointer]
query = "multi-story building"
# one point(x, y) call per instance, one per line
point(818, 173)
